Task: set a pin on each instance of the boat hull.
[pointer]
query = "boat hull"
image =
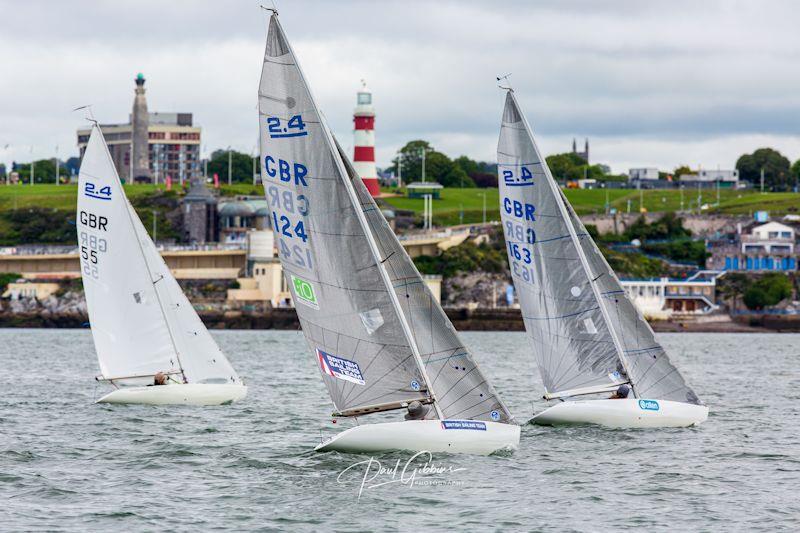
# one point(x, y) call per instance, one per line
point(627, 413)
point(453, 436)
point(186, 394)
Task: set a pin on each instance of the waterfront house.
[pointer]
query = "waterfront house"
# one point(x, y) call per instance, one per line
point(765, 247)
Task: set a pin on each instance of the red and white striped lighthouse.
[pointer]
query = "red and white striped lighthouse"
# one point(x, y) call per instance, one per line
point(364, 152)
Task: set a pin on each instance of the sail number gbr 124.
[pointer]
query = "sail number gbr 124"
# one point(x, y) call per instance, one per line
point(288, 207)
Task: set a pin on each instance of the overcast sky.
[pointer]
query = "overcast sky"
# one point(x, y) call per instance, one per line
point(650, 83)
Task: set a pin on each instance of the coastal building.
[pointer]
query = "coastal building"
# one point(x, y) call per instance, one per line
point(641, 174)
point(726, 179)
point(765, 247)
point(264, 280)
point(151, 147)
point(241, 215)
point(200, 216)
point(661, 298)
point(30, 290)
point(418, 189)
point(364, 145)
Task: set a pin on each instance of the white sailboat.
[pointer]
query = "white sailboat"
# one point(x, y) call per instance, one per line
point(587, 336)
point(380, 340)
point(141, 321)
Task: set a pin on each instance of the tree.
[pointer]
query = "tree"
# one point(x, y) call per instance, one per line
point(241, 166)
point(485, 180)
point(775, 166)
point(566, 167)
point(45, 171)
point(681, 170)
point(438, 167)
point(669, 226)
point(733, 286)
point(769, 290)
point(469, 166)
point(795, 174)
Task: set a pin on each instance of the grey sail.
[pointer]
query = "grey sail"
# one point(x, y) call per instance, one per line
point(587, 336)
point(345, 309)
point(460, 388)
point(649, 368)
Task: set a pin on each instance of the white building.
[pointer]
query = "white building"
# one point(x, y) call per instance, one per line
point(649, 173)
point(719, 175)
point(660, 298)
point(768, 238)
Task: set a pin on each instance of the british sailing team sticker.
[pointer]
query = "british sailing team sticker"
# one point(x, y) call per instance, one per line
point(340, 368)
point(415, 384)
point(304, 291)
point(495, 415)
point(648, 405)
point(464, 424)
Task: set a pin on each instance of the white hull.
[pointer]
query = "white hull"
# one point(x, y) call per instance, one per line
point(629, 413)
point(188, 394)
point(426, 435)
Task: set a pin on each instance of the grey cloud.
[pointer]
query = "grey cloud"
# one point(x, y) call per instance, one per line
point(680, 71)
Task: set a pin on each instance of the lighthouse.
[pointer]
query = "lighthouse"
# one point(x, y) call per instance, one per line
point(364, 151)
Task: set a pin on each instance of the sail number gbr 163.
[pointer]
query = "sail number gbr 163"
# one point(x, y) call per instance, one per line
point(520, 236)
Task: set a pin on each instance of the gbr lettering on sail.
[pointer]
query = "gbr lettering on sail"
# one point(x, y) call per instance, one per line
point(288, 207)
point(518, 218)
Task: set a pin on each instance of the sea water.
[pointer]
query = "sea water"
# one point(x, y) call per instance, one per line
point(69, 464)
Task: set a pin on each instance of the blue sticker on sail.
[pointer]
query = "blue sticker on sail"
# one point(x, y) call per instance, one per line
point(649, 405)
point(495, 415)
point(340, 368)
point(522, 178)
point(464, 424)
point(90, 190)
point(415, 384)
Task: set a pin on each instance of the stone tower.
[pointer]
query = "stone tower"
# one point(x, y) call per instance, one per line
point(200, 219)
point(140, 151)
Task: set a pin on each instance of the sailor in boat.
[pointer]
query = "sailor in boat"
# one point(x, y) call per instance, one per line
point(159, 379)
point(621, 393)
point(416, 411)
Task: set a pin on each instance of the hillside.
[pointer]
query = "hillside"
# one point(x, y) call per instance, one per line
point(446, 211)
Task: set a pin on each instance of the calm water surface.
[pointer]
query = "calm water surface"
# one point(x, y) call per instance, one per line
point(68, 464)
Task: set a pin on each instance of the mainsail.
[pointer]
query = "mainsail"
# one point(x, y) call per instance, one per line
point(141, 321)
point(379, 338)
point(586, 334)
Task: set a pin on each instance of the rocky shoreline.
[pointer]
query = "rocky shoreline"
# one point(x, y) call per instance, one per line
point(75, 316)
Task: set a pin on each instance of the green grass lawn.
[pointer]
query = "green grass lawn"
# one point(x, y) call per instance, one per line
point(448, 209)
point(65, 196)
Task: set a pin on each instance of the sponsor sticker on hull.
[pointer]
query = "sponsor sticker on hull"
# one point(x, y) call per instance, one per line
point(649, 405)
point(464, 424)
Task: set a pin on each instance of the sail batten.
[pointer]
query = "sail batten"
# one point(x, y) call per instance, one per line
point(586, 334)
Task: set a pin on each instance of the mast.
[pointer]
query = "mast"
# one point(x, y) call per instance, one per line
point(576, 242)
point(373, 245)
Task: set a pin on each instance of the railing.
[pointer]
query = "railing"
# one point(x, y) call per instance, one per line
point(755, 239)
point(56, 250)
